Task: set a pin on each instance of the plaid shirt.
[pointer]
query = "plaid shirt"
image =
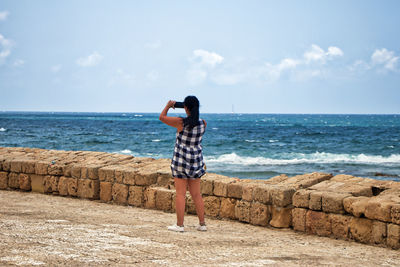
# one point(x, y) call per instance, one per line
point(187, 162)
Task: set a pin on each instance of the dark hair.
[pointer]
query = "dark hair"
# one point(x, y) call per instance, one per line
point(192, 104)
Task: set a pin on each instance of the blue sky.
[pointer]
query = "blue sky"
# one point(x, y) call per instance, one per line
point(260, 56)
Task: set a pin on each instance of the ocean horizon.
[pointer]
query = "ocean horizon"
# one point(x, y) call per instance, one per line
point(244, 145)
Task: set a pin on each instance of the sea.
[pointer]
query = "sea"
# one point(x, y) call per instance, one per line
point(253, 146)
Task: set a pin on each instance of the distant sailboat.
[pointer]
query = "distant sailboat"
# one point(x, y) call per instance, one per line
point(233, 109)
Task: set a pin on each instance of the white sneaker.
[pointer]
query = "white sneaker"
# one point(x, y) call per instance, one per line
point(176, 228)
point(202, 228)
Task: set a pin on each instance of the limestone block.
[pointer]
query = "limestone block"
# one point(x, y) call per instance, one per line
point(120, 193)
point(281, 196)
point(37, 183)
point(361, 230)
point(259, 214)
point(3, 180)
point(135, 196)
point(119, 174)
point(63, 186)
point(84, 172)
point(146, 178)
point(164, 179)
point(105, 191)
point(309, 179)
point(281, 217)
point(6, 165)
point(67, 170)
point(235, 190)
point(221, 187)
point(149, 198)
point(315, 202)
point(93, 171)
point(16, 165)
point(173, 208)
point(129, 177)
point(89, 188)
point(212, 205)
point(301, 198)
point(24, 182)
point(355, 205)
point(318, 223)
point(54, 180)
point(332, 202)
point(41, 167)
point(262, 194)
point(227, 208)
point(242, 211)
point(299, 219)
point(393, 236)
point(73, 187)
point(378, 210)
point(28, 166)
point(76, 171)
point(379, 232)
point(247, 193)
point(395, 213)
point(107, 174)
point(55, 169)
point(164, 199)
point(47, 184)
point(206, 186)
point(13, 180)
point(189, 204)
point(340, 225)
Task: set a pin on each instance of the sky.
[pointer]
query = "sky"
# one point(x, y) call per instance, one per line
point(246, 56)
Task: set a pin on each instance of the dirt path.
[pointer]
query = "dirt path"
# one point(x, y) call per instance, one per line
point(39, 229)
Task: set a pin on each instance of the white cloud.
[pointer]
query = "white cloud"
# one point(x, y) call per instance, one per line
point(3, 15)
point(154, 45)
point(5, 48)
point(90, 61)
point(210, 59)
point(385, 58)
point(56, 68)
point(316, 53)
point(18, 63)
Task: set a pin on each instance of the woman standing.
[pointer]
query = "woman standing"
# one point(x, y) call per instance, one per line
point(187, 164)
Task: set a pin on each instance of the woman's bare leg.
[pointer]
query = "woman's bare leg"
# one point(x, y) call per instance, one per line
point(180, 186)
point(194, 189)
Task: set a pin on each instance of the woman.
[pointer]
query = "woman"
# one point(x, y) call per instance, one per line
point(187, 164)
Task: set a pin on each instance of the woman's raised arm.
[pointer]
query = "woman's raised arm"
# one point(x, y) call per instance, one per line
point(175, 122)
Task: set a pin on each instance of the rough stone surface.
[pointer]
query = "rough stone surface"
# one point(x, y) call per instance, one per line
point(242, 211)
point(63, 186)
point(13, 180)
point(149, 198)
point(247, 193)
point(281, 217)
point(393, 235)
point(378, 210)
point(299, 219)
point(28, 166)
point(41, 167)
point(164, 199)
point(332, 202)
point(340, 225)
point(361, 230)
point(221, 187)
point(206, 186)
point(395, 213)
point(379, 232)
point(105, 191)
point(135, 196)
point(24, 182)
point(315, 202)
point(3, 180)
point(212, 205)
point(146, 178)
point(88, 188)
point(262, 194)
point(73, 187)
point(107, 174)
point(301, 198)
point(120, 193)
point(355, 205)
point(227, 209)
point(235, 190)
point(259, 214)
point(282, 196)
point(318, 223)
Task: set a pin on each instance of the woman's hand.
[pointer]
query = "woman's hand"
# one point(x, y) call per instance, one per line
point(171, 104)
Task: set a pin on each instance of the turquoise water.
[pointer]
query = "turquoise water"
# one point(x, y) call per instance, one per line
point(242, 145)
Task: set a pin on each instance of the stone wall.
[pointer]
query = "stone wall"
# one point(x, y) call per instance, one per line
point(343, 206)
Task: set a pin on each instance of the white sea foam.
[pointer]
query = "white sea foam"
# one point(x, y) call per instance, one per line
point(300, 158)
point(156, 140)
point(273, 140)
point(3, 129)
point(138, 115)
point(126, 151)
point(215, 128)
point(251, 141)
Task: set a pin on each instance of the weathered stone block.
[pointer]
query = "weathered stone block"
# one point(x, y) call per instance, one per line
point(227, 208)
point(16, 165)
point(105, 191)
point(259, 214)
point(3, 180)
point(206, 187)
point(164, 199)
point(393, 236)
point(93, 172)
point(318, 223)
point(262, 194)
point(340, 225)
point(13, 180)
point(361, 230)
point(282, 196)
point(47, 184)
point(55, 169)
point(189, 204)
point(281, 217)
point(73, 187)
point(247, 193)
point(76, 171)
point(135, 196)
point(67, 170)
point(120, 193)
point(242, 211)
point(235, 190)
point(129, 177)
point(221, 187)
point(119, 174)
point(301, 198)
point(378, 210)
point(41, 167)
point(212, 205)
point(89, 188)
point(395, 213)
point(149, 198)
point(315, 202)
point(28, 166)
point(63, 186)
point(24, 182)
point(6, 165)
point(299, 219)
point(164, 179)
point(107, 174)
point(84, 172)
point(355, 205)
point(332, 202)
point(146, 178)
point(379, 232)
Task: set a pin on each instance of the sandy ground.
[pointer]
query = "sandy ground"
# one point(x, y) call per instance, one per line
point(39, 229)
